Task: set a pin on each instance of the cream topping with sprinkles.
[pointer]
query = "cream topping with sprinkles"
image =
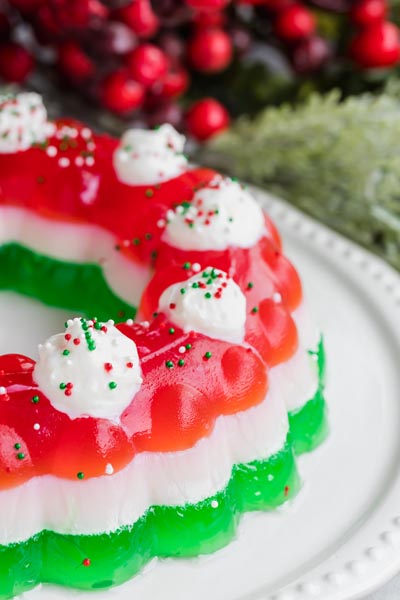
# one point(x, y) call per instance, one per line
point(149, 157)
point(210, 303)
point(23, 122)
point(221, 215)
point(91, 370)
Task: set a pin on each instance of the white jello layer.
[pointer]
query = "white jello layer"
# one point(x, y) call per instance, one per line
point(169, 478)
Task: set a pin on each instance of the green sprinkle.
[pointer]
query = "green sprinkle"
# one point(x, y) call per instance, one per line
point(186, 265)
point(181, 362)
point(97, 325)
point(35, 399)
point(148, 236)
point(20, 456)
point(207, 355)
point(208, 295)
point(155, 314)
point(136, 241)
point(183, 291)
point(66, 324)
point(62, 386)
point(112, 385)
point(41, 179)
point(169, 364)
point(92, 345)
point(80, 475)
point(171, 330)
point(65, 352)
point(188, 346)
point(149, 193)
point(17, 446)
point(254, 309)
point(205, 274)
point(195, 285)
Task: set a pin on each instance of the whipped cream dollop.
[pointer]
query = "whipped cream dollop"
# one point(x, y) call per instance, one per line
point(209, 302)
point(146, 157)
point(23, 122)
point(220, 215)
point(91, 370)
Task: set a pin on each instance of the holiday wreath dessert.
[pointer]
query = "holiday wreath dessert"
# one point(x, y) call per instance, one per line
point(134, 440)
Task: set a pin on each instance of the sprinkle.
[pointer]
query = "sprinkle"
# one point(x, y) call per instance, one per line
point(172, 305)
point(276, 297)
point(67, 336)
point(161, 223)
point(196, 267)
point(254, 310)
point(17, 446)
point(136, 241)
point(129, 321)
point(169, 364)
point(208, 295)
point(35, 399)
point(65, 352)
point(129, 365)
point(182, 349)
point(3, 391)
point(171, 331)
point(20, 456)
point(63, 162)
point(112, 385)
point(77, 341)
point(36, 427)
point(250, 285)
point(207, 356)
point(108, 366)
point(62, 386)
point(286, 490)
point(109, 469)
point(86, 562)
point(51, 151)
point(181, 362)
point(80, 475)
point(149, 193)
point(188, 346)
point(214, 504)
point(183, 291)
point(186, 265)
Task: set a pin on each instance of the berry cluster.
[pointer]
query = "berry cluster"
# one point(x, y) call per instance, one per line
point(140, 55)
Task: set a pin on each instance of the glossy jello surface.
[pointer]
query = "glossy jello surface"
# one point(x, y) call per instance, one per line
point(194, 375)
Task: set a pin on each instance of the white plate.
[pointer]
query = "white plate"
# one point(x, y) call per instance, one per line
point(340, 538)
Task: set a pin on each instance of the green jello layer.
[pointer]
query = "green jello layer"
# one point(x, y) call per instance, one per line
point(309, 424)
point(99, 561)
point(80, 288)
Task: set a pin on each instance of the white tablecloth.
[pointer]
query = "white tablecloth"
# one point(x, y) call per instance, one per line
point(390, 591)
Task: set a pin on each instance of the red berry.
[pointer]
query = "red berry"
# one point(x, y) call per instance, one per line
point(121, 94)
point(175, 83)
point(147, 64)
point(207, 5)
point(140, 17)
point(376, 46)
point(210, 19)
point(169, 113)
point(210, 50)
point(205, 118)
point(16, 63)
point(367, 12)
point(74, 62)
point(294, 23)
point(310, 55)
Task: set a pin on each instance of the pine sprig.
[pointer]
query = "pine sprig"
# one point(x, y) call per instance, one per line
point(338, 161)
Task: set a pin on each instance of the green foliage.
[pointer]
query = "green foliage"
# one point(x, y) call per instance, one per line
point(338, 161)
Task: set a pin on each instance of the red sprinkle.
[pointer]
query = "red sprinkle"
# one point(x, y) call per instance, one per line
point(172, 305)
point(68, 392)
point(108, 367)
point(77, 341)
point(86, 562)
point(104, 328)
point(286, 490)
point(129, 365)
point(67, 336)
